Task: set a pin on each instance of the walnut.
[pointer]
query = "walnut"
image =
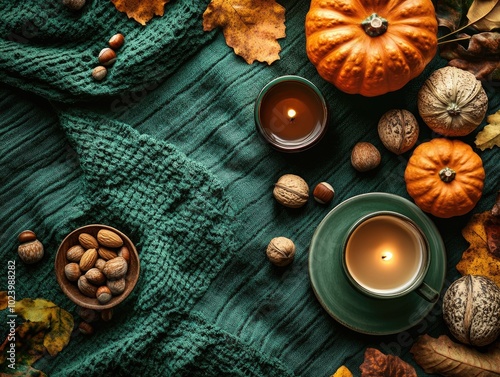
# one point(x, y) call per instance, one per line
point(398, 130)
point(291, 191)
point(471, 310)
point(281, 251)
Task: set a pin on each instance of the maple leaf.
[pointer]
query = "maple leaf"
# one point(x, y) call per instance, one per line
point(57, 319)
point(141, 10)
point(444, 357)
point(490, 135)
point(250, 27)
point(478, 259)
point(376, 364)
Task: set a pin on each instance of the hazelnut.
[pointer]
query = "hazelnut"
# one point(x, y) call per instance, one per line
point(116, 41)
point(323, 193)
point(72, 271)
point(99, 263)
point(291, 191)
point(281, 251)
point(85, 328)
point(88, 315)
point(103, 294)
point(125, 253)
point(398, 130)
point(99, 73)
point(30, 250)
point(365, 156)
point(74, 4)
point(107, 314)
point(107, 57)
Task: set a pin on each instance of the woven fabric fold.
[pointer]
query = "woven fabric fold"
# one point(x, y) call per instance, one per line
point(49, 50)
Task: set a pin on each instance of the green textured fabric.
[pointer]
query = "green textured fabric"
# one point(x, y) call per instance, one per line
point(165, 149)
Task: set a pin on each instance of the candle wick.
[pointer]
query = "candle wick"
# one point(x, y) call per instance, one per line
point(291, 115)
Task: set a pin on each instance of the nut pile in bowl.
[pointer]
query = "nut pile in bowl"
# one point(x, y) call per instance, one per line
point(97, 266)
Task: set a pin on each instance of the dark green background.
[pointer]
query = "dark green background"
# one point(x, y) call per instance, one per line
point(185, 92)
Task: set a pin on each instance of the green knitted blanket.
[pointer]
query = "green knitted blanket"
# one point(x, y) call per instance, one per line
point(165, 150)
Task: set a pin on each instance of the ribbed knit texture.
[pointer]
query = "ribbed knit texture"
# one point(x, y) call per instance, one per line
point(165, 149)
point(50, 50)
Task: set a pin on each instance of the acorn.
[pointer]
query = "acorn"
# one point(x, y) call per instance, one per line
point(30, 250)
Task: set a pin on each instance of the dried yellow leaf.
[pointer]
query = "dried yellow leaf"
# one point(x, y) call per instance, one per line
point(342, 372)
point(59, 320)
point(490, 135)
point(141, 10)
point(250, 27)
point(478, 259)
point(484, 14)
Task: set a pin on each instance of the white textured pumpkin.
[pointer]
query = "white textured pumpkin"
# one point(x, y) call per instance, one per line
point(471, 310)
point(452, 102)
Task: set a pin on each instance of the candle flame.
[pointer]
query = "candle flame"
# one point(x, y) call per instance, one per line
point(386, 255)
point(291, 114)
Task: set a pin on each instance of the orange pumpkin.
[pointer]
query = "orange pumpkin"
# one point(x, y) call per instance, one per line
point(445, 177)
point(370, 47)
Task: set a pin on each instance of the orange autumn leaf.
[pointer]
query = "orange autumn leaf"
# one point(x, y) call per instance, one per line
point(141, 10)
point(482, 257)
point(343, 371)
point(250, 27)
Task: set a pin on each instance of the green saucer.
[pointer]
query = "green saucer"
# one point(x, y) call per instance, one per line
point(340, 298)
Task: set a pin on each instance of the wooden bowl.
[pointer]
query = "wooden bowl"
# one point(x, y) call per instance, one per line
point(71, 289)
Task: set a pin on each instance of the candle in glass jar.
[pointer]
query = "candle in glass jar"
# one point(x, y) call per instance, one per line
point(385, 255)
point(291, 113)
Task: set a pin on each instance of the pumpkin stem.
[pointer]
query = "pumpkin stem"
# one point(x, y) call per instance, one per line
point(447, 174)
point(374, 25)
point(453, 109)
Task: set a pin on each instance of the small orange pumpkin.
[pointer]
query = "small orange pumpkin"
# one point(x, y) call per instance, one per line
point(445, 177)
point(370, 47)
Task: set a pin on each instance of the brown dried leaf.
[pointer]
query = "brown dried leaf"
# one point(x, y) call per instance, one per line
point(490, 134)
point(376, 364)
point(495, 211)
point(481, 57)
point(449, 359)
point(487, 12)
point(250, 27)
point(478, 259)
point(343, 371)
point(141, 10)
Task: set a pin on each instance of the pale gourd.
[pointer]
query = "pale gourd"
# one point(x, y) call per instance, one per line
point(452, 102)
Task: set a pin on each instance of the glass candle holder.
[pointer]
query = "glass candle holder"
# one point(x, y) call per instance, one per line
point(291, 114)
